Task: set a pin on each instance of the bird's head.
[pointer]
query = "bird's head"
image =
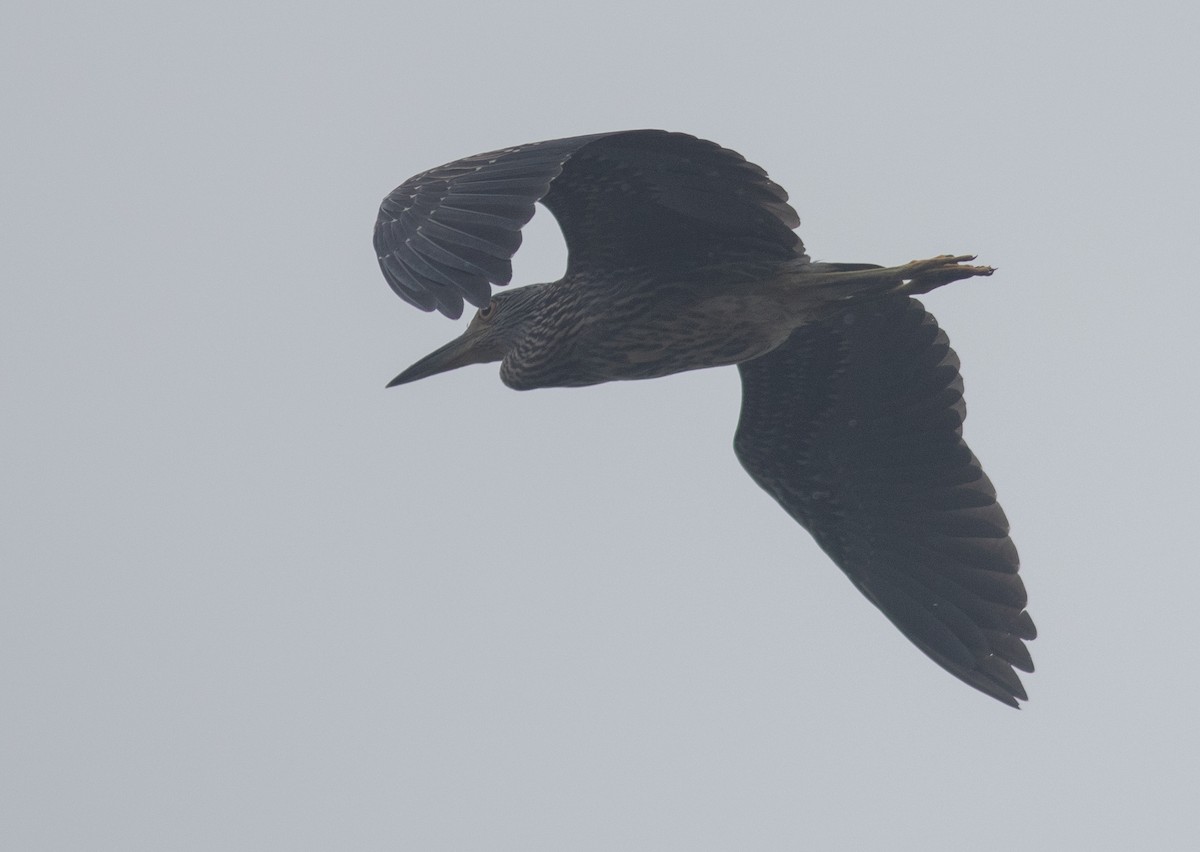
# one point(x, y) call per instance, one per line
point(493, 331)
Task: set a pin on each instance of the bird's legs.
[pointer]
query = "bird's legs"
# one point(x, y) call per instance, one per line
point(925, 275)
point(851, 280)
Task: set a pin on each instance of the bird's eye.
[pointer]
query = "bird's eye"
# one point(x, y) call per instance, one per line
point(486, 313)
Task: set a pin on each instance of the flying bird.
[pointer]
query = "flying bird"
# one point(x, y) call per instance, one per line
point(683, 255)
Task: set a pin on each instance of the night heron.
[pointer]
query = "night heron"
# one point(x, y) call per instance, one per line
point(682, 255)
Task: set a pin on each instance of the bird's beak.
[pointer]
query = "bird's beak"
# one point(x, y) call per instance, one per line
point(459, 352)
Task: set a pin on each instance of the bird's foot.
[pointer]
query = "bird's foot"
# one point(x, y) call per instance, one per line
point(840, 282)
point(921, 276)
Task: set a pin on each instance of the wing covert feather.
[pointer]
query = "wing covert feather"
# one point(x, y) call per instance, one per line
point(624, 200)
point(854, 426)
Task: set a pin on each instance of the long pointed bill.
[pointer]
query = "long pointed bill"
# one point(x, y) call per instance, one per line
point(457, 353)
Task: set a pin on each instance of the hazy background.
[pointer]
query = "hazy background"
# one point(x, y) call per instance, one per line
point(252, 600)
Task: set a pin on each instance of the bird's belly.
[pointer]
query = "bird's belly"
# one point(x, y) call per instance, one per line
point(715, 331)
point(650, 351)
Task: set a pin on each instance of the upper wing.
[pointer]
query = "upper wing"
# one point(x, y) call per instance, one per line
point(855, 427)
point(627, 199)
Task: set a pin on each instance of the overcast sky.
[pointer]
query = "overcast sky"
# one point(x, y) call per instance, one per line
point(250, 599)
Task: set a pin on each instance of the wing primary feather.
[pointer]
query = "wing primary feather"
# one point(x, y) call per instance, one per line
point(855, 429)
point(626, 199)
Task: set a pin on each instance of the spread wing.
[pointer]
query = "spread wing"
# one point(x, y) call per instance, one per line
point(855, 427)
point(630, 199)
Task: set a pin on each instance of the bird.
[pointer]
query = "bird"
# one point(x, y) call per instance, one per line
point(682, 255)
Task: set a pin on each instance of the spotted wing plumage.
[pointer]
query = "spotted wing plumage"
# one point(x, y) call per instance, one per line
point(854, 426)
point(625, 200)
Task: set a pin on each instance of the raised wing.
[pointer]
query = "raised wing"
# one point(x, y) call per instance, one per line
point(855, 427)
point(630, 199)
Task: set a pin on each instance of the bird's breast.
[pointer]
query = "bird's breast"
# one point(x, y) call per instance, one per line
point(640, 335)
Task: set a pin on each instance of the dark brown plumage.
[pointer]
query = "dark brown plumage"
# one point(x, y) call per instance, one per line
point(681, 255)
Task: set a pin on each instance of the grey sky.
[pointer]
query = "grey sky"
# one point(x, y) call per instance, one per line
point(249, 599)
